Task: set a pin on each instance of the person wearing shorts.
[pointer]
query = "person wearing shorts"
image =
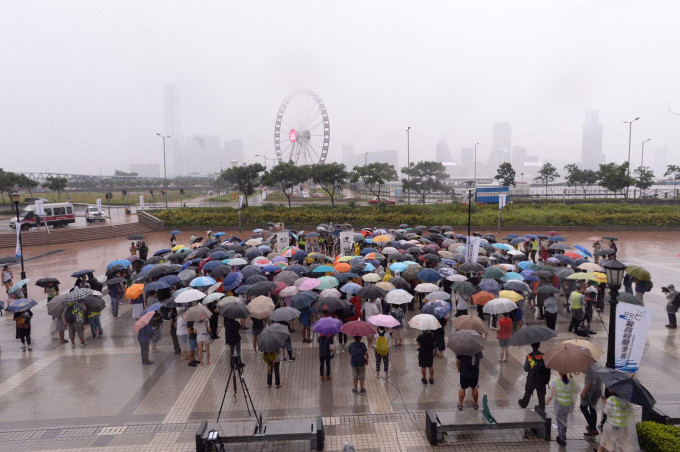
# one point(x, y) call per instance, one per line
point(182, 335)
point(468, 368)
point(427, 343)
point(504, 333)
point(306, 321)
point(359, 358)
point(203, 337)
point(193, 344)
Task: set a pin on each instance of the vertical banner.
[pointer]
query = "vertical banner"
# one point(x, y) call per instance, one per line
point(347, 242)
point(141, 202)
point(472, 249)
point(99, 206)
point(282, 240)
point(18, 250)
point(502, 198)
point(39, 207)
point(240, 201)
point(632, 326)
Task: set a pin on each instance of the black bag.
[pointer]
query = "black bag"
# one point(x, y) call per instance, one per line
point(648, 286)
point(582, 331)
point(69, 315)
point(676, 300)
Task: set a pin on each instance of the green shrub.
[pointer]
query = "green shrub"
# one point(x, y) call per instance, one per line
point(658, 437)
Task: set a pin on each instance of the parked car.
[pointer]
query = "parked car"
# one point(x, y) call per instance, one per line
point(377, 200)
point(92, 213)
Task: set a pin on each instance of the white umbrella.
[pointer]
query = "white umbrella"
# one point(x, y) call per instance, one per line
point(212, 297)
point(426, 288)
point(333, 292)
point(424, 322)
point(214, 287)
point(289, 291)
point(455, 278)
point(437, 295)
point(590, 267)
point(499, 306)
point(189, 295)
point(398, 296)
point(390, 250)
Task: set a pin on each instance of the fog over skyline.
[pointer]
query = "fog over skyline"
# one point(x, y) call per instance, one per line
point(82, 81)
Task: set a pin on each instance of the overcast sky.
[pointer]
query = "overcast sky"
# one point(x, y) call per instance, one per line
point(82, 81)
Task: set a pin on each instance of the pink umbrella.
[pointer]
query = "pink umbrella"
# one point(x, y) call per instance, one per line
point(383, 320)
point(358, 328)
point(310, 284)
point(143, 321)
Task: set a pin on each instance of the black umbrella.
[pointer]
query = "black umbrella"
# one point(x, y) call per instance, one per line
point(201, 252)
point(250, 270)
point(272, 338)
point(303, 299)
point(220, 272)
point(234, 311)
point(330, 303)
point(235, 247)
point(176, 257)
point(255, 279)
point(43, 282)
point(153, 260)
point(297, 269)
point(626, 386)
point(470, 267)
point(287, 277)
point(114, 269)
point(517, 285)
point(542, 274)
point(547, 289)
point(135, 237)
point(371, 292)
point(80, 273)
point(400, 283)
point(531, 335)
point(160, 270)
point(116, 280)
point(609, 237)
point(94, 303)
point(603, 252)
point(261, 288)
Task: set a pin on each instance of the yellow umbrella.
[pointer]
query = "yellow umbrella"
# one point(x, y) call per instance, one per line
point(592, 348)
point(347, 258)
point(177, 247)
point(382, 239)
point(511, 295)
point(582, 277)
point(600, 277)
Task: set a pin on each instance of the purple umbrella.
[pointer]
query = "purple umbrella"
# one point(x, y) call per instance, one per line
point(327, 325)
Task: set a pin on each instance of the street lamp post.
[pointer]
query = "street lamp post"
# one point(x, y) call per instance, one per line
point(615, 272)
point(470, 184)
point(16, 197)
point(165, 171)
point(408, 160)
point(476, 162)
point(264, 159)
point(642, 159)
point(630, 135)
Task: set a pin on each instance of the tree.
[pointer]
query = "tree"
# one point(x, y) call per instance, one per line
point(425, 177)
point(374, 176)
point(57, 184)
point(577, 176)
point(123, 173)
point(614, 177)
point(546, 175)
point(286, 176)
point(644, 178)
point(244, 178)
point(506, 174)
point(673, 170)
point(330, 177)
point(11, 182)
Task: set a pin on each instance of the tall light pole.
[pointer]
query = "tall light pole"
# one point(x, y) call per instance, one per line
point(642, 160)
point(16, 197)
point(264, 159)
point(615, 272)
point(408, 160)
point(476, 162)
point(165, 171)
point(630, 135)
point(470, 184)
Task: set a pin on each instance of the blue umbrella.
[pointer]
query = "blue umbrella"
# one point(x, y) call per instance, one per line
point(566, 260)
point(429, 275)
point(510, 236)
point(233, 280)
point(517, 285)
point(202, 281)
point(398, 266)
point(163, 251)
point(489, 285)
point(583, 250)
point(219, 234)
point(211, 265)
point(147, 268)
point(350, 288)
point(446, 271)
point(369, 268)
point(264, 249)
point(21, 305)
point(517, 240)
point(530, 236)
point(175, 232)
point(120, 262)
point(219, 255)
point(556, 238)
point(242, 290)
point(171, 280)
point(366, 251)
point(271, 269)
point(80, 273)
point(345, 276)
point(503, 246)
point(303, 299)
point(153, 308)
point(298, 269)
point(18, 285)
point(156, 285)
point(512, 276)
point(524, 264)
point(299, 256)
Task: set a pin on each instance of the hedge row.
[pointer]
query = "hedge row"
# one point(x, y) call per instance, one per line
point(658, 437)
point(588, 215)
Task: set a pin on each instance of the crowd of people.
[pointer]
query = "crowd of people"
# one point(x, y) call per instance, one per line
point(313, 276)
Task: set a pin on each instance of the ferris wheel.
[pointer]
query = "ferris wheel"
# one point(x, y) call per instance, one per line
point(302, 131)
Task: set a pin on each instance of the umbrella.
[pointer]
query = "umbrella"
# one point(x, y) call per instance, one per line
point(424, 322)
point(309, 284)
point(43, 282)
point(466, 342)
point(468, 322)
point(426, 288)
point(330, 293)
point(411, 271)
point(80, 293)
point(463, 287)
point(559, 246)
point(499, 306)
point(358, 328)
point(583, 250)
point(581, 277)
point(330, 304)
point(261, 307)
point(119, 262)
point(261, 288)
point(134, 291)
point(153, 308)
point(493, 273)
point(23, 304)
point(227, 300)
point(350, 288)
point(233, 280)
point(287, 277)
point(624, 298)
point(328, 282)
point(135, 237)
point(531, 335)
point(156, 285)
point(370, 292)
point(163, 251)
point(429, 275)
point(202, 281)
point(547, 289)
point(398, 296)
point(189, 296)
point(143, 321)
point(371, 277)
point(510, 295)
point(439, 309)
point(400, 283)
point(504, 246)
point(327, 326)
point(438, 295)
point(80, 273)
point(482, 297)
point(272, 338)
point(212, 298)
point(517, 285)
point(604, 252)
point(303, 299)
point(197, 313)
point(289, 291)
point(609, 237)
point(626, 386)
point(386, 321)
point(592, 348)
point(568, 358)
point(636, 272)
point(234, 311)
point(175, 232)
point(284, 314)
point(471, 267)
point(94, 303)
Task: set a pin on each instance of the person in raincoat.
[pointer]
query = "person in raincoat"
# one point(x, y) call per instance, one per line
point(618, 433)
point(563, 391)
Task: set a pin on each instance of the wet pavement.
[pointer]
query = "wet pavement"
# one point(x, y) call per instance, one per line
point(100, 397)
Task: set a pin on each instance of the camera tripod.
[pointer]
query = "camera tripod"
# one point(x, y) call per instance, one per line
point(237, 365)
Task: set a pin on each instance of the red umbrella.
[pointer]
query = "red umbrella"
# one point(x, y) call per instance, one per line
point(358, 328)
point(143, 321)
point(279, 287)
point(553, 233)
point(573, 255)
point(481, 298)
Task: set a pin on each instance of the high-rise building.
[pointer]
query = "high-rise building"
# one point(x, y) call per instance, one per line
point(519, 156)
point(466, 164)
point(203, 154)
point(348, 156)
point(660, 162)
point(443, 154)
point(173, 128)
point(502, 137)
point(591, 147)
point(497, 157)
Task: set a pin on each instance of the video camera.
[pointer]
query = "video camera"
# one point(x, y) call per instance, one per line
point(236, 362)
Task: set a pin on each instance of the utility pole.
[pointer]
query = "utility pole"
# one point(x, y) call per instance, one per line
point(165, 171)
point(408, 160)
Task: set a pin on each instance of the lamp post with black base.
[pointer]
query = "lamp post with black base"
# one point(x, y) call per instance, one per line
point(615, 271)
point(16, 197)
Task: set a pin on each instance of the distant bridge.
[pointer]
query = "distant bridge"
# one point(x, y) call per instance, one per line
point(42, 176)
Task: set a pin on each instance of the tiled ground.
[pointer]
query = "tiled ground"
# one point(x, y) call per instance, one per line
point(100, 397)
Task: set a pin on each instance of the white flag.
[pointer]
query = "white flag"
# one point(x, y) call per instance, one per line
point(39, 207)
point(347, 242)
point(18, 248)
point(99, 205)
point(282, 240)
point(240, 201)
point(501, 201)
point(472, 249)
point(141, 202)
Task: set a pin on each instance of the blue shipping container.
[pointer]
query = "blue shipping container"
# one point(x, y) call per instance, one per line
point(489, 195)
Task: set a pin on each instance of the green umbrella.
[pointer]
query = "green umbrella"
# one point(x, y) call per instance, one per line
point(463, 287)
point(493, 273)
point(411, 271)
point(640, 273)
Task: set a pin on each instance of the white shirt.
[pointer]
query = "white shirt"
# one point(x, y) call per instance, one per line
point(6, 276)
point(201, 331)
point(181, 326)
point(461, 302)
point(371, 309)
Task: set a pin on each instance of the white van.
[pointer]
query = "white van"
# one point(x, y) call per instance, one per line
point(57, 214)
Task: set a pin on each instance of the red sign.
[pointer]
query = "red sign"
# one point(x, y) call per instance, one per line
point(292, 135)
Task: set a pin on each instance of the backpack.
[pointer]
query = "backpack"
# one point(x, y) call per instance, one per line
point(381, 345)
point(676, 300)
point(648, 286)
point(69, 316)
point(269, 358)
point(542, 372)
point(73, 313)
point(358, 354)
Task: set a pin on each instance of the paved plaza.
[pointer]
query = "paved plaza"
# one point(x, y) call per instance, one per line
point(100, 397)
